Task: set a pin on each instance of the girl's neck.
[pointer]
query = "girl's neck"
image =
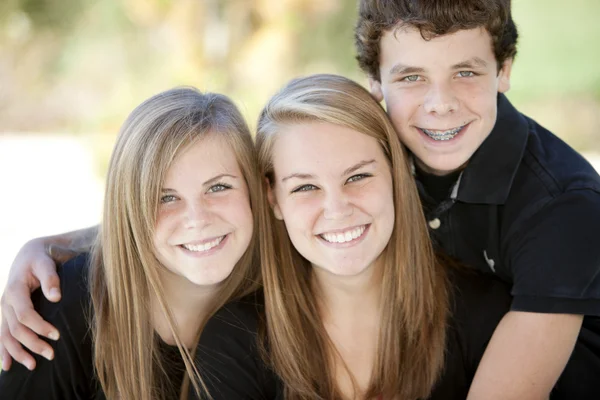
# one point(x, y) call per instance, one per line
point(348, 296)
point(189, 304)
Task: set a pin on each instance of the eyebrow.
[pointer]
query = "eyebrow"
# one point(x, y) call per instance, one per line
point(471, 63)
point(208, 182)
point(347, 171)
point(401, 69)
point(358, 166)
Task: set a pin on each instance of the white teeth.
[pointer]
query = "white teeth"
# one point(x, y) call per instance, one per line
point(344, 237)
point(204, 246)
point(442, 135)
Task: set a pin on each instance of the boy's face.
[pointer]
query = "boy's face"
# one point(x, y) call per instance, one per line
point(440, 94)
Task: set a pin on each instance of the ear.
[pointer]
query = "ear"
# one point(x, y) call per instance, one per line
point(273, 200)
point(504, 76)
point(375, 87)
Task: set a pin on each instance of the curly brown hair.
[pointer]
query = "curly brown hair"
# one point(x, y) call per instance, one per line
point(433, 18)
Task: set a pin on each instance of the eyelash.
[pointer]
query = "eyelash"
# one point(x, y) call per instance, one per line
point(406, 78)
point(168, 198)
point(353, 178)
point(164, 199)
point(224, 187)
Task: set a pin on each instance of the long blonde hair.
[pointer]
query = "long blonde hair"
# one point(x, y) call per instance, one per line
point(124, 270)
point(411, 341)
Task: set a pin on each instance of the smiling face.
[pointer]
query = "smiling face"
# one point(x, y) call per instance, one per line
point(333, 189)
point(440, 94)
point(204, 223)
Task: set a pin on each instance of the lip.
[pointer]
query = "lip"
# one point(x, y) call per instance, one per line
point(206, 253)
point(351, 243)
point(431, 141)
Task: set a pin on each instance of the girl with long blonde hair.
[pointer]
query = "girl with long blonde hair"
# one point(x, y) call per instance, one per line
point(356, 305)
point(177, 240)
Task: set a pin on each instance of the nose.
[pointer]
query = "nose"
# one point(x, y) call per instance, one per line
point(337, 206)
point(440, 99)
point(197, 215)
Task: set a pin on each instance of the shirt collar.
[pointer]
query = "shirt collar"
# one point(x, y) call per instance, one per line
point(489, 173)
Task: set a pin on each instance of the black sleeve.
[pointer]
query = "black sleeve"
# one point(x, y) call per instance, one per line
point(228, 356)
point(555, 257)
point(477, 304)
point(70, 374)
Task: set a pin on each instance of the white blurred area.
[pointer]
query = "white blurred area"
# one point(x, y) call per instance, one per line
point(50, 185)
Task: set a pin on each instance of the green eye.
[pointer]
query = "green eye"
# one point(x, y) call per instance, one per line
point(411, 78)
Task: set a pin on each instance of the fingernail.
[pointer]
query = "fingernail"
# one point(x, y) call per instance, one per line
point(53, 335)
point(30, 365)
point(54, 292)
point(48, 355)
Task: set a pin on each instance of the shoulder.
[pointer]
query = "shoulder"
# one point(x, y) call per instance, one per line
point(74, 288)
point(553, 164)
point(239, 317)
point(229, 355)
point(70, 375)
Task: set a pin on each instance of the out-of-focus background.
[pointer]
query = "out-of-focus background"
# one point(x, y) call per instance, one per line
point(71, 71)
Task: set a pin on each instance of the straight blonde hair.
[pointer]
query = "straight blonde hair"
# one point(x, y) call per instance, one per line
point(124, 269)
point(412, 335)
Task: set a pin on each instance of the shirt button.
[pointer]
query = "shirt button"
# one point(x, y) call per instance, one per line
point(435, 223)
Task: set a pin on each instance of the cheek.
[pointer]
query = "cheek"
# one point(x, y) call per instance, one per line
point(238, 211)
point(299, 214)
point(165, 224)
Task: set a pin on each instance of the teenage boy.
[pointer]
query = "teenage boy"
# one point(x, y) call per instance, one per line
point(500, 192)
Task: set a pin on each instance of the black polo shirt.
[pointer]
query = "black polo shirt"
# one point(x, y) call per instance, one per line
point(527, 208)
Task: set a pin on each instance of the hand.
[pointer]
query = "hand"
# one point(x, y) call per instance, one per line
point(34, 266)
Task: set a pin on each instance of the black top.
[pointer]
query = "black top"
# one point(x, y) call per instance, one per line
point(526, 209)
point(232, 368)
point(71, 374)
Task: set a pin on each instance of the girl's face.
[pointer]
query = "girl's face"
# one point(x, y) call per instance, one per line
point(333, 189)
point(204, 223)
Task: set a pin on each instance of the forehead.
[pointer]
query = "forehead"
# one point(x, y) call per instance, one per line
point(315, 146)
point(204, 158)
point(406, 45)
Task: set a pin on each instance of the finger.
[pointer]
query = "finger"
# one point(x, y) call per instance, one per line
point(5, 357)
point(26, 337)
point(60, 254)
point(16, 351)
point(17, 302)
point(45, 272)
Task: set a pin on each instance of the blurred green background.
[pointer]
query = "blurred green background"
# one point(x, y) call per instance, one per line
point(80, 66)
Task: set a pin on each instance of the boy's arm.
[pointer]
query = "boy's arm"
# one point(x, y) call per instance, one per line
point(525, 357)
point(34, 267)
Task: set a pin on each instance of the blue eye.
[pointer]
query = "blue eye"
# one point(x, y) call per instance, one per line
point(466, 74)
point(411, 78)
point(358, 177)
point(167, 198)
point(219, 187)
point(304, 188)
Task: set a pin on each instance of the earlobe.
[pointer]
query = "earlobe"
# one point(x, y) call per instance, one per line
point(376, 91)
point(272, 200)
point(277, 212)
point(504, 76)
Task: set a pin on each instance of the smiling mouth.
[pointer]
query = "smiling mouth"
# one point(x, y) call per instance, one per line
point(206, 246)
point(442, 135)
point(344, 236)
